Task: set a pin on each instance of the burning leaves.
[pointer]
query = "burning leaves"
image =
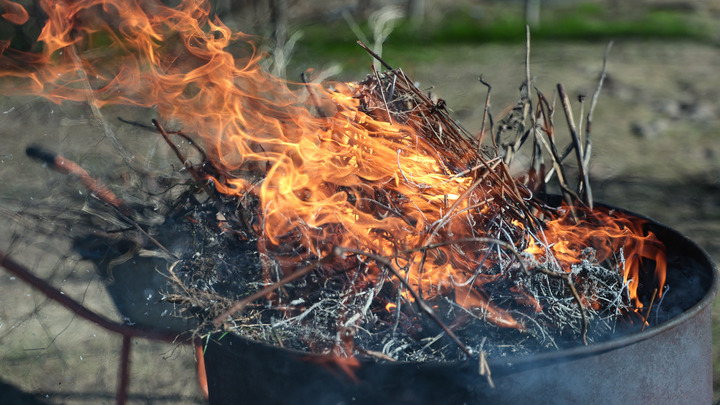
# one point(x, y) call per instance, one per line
point(350, 217)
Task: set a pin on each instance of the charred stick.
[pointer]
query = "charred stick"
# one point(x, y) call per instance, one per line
point(522, 136)
point(421, 272)
point(536, 177)
point(566, 152)
point(518, 198)
point(485, 163)
point(443, 220)
point(396, 322)
point(584, 176)
point(462, 143)
point(527, 104)
point(647, 314)
point(137, 124)
point(502, 183)
point(421, 303)
point(375, 55)
point(62, 165)
point(581, 307)
point(527, 61)
point(372, 353)
point(547, 111)
point(587, 150)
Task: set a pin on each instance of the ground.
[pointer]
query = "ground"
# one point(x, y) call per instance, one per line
point(655, 152)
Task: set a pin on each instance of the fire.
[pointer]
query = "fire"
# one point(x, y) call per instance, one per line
point(14, 12)
point(610, 233)
point(335, 169)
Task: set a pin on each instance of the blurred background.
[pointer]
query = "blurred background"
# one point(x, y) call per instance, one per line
point(655, 145)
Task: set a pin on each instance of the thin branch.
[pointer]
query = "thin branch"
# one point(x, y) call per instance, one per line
point(593, 102)
point(584, 176)
point(374, 55)
point(647, 314)
point(568, 195)
point(487, 116)
point(62, 165)
point(150, 128)
point(188, 166)
point(54, 294)
point(382, 94)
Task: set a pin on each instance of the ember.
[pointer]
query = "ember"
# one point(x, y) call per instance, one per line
point(354, 219)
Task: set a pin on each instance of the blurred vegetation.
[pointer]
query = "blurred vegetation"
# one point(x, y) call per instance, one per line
point(504, 22)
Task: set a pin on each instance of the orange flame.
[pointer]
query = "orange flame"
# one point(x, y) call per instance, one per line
point(611, 233)
point(14, 12)
point(345, 179)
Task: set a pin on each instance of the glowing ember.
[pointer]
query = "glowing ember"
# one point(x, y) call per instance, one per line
point(373, 167)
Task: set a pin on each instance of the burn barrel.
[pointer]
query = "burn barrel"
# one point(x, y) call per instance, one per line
point(669, 363)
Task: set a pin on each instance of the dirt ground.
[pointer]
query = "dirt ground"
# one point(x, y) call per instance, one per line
point(655, 152)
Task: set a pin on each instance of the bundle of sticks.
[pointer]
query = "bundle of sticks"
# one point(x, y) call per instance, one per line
point(359, 300)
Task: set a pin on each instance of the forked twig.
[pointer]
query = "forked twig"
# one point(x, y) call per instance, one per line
point(487, 115)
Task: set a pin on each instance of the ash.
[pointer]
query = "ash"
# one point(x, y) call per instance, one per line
point(312, 314)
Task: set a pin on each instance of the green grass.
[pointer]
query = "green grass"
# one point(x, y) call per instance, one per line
point(506, 24)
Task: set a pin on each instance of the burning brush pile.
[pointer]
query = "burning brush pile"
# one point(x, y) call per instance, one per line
point(354, 219)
